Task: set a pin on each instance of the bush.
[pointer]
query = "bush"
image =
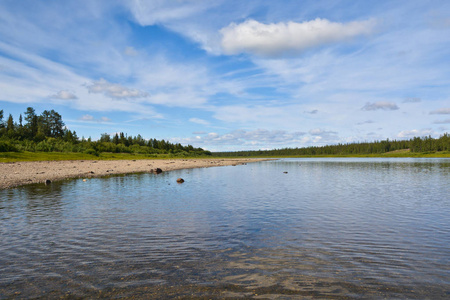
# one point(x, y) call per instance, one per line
point(7, 147)
point(91, 152)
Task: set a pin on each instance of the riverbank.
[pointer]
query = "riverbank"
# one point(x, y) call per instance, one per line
point(28, 172)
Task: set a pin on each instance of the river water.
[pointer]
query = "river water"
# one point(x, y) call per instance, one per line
point(334, 228)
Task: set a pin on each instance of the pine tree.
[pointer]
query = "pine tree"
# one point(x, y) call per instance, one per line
point(1, 119)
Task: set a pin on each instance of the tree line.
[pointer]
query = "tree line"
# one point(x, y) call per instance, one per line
point(47, 133)
point(416, 144)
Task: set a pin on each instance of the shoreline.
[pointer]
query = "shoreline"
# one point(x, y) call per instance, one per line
point(29, 172)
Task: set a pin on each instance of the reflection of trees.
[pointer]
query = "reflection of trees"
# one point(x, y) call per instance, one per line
point(43, 203)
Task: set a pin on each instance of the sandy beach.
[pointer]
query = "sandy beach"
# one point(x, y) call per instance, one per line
point(22, 173)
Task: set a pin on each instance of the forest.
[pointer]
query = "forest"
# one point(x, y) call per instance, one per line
point(47, 133)
point(415, 145)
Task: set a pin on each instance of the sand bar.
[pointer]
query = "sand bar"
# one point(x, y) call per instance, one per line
point(22, 173)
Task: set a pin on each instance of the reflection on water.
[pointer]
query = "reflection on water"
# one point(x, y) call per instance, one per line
point(329, 228)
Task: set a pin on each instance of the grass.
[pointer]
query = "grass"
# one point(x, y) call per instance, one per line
point(47, 156)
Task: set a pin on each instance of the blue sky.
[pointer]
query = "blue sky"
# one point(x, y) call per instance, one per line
point(231, 75)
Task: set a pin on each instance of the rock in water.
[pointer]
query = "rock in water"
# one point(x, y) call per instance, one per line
point(180, 180)
point(48, 181)
point(158, 170)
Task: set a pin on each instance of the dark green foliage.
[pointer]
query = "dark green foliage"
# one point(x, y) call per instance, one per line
point(416, 145)
point(47, 133)
point(5, 146)
point(51, 124)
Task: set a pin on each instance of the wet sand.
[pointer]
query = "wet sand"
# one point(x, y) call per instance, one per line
point(22, 173)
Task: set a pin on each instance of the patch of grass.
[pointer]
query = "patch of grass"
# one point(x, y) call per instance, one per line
point(43, 156)
point(48, 156)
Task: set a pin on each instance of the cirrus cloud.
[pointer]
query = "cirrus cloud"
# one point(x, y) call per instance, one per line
point(199, 121)
point(279, 38)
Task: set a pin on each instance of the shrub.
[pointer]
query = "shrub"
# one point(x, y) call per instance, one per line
point(6, 146)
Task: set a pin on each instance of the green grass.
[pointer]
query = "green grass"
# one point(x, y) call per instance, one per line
point(47, 156)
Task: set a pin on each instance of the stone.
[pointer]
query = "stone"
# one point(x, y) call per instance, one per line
point(158, 170)
point(48, 181)
point(180, 180)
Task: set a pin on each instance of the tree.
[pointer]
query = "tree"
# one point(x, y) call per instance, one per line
point(105, 138)
point(116, 139)
point(51, 124)
point(29, 115)
point(31, 127)
point(1, 119)
point(10, 127)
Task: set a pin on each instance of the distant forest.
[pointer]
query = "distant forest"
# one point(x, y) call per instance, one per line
point(416, 145)
point(47, 133)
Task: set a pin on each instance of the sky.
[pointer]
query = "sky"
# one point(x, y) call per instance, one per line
point(230, 75)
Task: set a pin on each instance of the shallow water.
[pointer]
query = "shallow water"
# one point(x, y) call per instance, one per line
point(329, 228)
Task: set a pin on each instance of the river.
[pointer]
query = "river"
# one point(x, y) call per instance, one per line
point(334, 228)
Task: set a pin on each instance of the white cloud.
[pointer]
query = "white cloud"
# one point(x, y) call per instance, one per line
point(321, 132)
point(441, 111)
point(199, 121)
point(412, 100)
point(104, 119)
point(365, 122)
point(130, 51)
point(89, 118)
point(446, 121)
point(414, 133)
point(312, 112)
point(114, 90)
point(64, 95)
point(274, 39)
point(380, 105)
point(258, 137)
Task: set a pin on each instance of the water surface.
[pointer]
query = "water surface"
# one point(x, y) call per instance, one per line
point(328, 228)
